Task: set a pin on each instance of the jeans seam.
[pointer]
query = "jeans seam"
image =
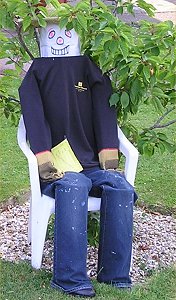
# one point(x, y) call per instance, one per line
point(104, 226)
point(55, 237)
point(120, 284)
point(55, 285)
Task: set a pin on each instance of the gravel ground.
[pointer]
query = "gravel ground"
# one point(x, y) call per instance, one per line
point(154, 244)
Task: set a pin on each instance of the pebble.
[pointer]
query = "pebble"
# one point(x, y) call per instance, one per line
point(154, 242)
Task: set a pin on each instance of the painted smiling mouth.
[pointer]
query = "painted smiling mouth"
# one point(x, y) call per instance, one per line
point(63, 51)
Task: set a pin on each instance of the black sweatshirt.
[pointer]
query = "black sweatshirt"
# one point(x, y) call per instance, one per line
point(68, 97)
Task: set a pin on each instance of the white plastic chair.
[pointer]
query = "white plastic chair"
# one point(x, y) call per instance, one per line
point(42, 206)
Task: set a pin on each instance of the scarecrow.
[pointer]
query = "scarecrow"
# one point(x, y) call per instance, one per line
point(64, 95)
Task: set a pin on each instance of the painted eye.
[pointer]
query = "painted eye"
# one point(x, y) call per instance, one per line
point(51, 34)
point(68, 33)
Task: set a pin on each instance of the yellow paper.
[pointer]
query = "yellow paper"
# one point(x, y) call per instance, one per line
point(64, 158)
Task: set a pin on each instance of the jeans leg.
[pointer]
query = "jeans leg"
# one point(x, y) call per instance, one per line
point(70, 233)
point(116, 225)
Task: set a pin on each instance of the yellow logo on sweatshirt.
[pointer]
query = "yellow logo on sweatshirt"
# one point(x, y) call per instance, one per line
point(80, 87)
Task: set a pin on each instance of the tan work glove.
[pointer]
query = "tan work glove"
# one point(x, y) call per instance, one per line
point(47, 171)
point(108, 159)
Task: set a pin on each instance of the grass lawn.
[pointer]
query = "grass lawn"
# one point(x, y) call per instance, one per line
point(14, 171)
point(20, 281)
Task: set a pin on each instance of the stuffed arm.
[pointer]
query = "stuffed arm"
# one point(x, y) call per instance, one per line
point(105, 120)
point(37, 128)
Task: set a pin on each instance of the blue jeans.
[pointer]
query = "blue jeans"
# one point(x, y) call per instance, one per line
point(70, 234)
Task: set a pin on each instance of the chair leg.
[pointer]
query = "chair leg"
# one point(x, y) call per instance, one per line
point(38, 240)
point(40, 218)
point(30, 222)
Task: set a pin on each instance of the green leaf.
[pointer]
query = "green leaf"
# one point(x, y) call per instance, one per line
point(127, 37)
point(140, 68)
point(103, 25)
point(171, 78)
point(157, 104)
point(133, 106)
point(82, 5)
point(41, 21)
point(162, 136)
point(26, 22)
point(98, 40)
point(3, 37)
point(152, 59)
point(69, 25)
point(148, 149)
point(101, 4)
point(124, 71)
point(108, 30)
point(123, 48)
point(106, 46)
point(55, 3)
point(172, 97)
point(10, 72)
point(114, 99)
point(159, 92)
point(63, 22)
point(171, 148)
point(43, 11)
point(149, 8)
point(102, 60)
point(130, 8)
point(124, 99)
point(161, 147)
point(82, 20)
point(119, 10)
point(113, 46)
point(155, 51)
point(146, 72)
point(135, 87)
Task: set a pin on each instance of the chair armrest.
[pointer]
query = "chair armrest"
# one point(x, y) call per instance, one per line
point(131, 154)
point(22, 140)
point(32, 160)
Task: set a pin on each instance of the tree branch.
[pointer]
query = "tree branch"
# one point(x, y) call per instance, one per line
point(10, 98)
point(162, 125)
point(37, 38)
point(158, 124)
point(13, 35)
point(16, 63)
point(18, 29)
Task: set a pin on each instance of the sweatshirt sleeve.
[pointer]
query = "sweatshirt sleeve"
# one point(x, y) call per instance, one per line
point(37, 128)
point(104, 116)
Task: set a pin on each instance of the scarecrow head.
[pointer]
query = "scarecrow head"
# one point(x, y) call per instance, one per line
point(56, 42)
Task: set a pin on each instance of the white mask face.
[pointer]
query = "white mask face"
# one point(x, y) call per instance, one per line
point(56, 42)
